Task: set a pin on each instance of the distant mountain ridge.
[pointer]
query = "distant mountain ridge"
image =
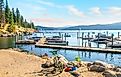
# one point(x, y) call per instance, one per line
point(114, 26)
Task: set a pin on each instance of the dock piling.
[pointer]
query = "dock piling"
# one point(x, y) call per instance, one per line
point(85, 44)
point(98, 40)
point(59, 34)
point(107, 33)
point(65, 36)
point(118, 34)
point(82, 38)
point(77, 35)
point(43, 33)
point(112, 40)
point(88, 38)
point(62, 37)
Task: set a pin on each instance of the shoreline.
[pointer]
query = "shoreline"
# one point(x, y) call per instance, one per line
point(15, 63)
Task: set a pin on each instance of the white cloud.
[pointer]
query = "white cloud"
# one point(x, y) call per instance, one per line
point(50, 4)
point(75, 11)
point(96, 10)
point(46, 3)
point(39, 14)
point(115, 11)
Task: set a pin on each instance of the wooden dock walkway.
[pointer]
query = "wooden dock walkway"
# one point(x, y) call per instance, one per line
point(102, 50)
point(25, 42)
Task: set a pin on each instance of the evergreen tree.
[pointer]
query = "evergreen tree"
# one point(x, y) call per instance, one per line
point(17, 16)
point(21, 21)
point(28, 25)
point(1, 11)
point(7, 12)
point(25, 24)
point(32, 25)
point(14, 16)
point(11, 27)
point(1, 6)
point(11, 19)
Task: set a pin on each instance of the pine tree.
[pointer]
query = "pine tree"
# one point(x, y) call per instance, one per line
point(32, 25)
point(14, 16)
point(1, 5)
point(11, 19)
point(11, 27)
point(21, 21)
point(7, 12)
point(17, 16)
point(25, 23)
point(1, 11)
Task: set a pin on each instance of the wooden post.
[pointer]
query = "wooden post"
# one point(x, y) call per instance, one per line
point(92, 36)
point(118, 34)
point(82, 38)
point(62, 37)
point(43, 33)
point(98, 40)
point(107, 33)
point(106, 45)
point(85, 44)
point(88, 38)
point(112, 39)
point(65, 36)
point(89, 44)
point(77, 35)
point(59, 34)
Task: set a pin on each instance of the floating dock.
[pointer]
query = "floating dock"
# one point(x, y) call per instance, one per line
point(102, 50)
point(25, 42)
point(86, 38)
point(115, 46)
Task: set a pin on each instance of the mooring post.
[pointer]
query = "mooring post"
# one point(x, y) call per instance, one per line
point(43, 33)
point(106, 45)
point(59, 34)
point(85, 44)
point(107, 33)
point(82, 38)
point(65, 36)
point(112, 40)
point(98, 40)
point(92, 36)
point(62, 37)
point(88, 38)
point(77, 35)
point(89, 44)
point(118, 34)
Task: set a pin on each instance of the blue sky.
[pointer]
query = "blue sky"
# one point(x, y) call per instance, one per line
point(57, 13)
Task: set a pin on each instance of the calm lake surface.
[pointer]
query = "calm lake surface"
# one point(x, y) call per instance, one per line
point(70, 54)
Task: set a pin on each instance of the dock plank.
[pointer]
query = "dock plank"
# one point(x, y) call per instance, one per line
point(103, 50)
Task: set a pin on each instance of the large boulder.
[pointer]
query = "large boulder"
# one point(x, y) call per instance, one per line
point(117, 69)
point(49, 63)
point(109, 73)
point(97, 68)
point(106, 65)
point(118, 74)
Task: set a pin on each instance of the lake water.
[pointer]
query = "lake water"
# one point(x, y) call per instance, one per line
point(70, 54)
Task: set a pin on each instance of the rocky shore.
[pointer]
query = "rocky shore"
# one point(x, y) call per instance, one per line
point(18, 31)
point(21, 63)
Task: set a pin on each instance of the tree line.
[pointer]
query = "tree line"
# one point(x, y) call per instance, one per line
point(12, 17)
